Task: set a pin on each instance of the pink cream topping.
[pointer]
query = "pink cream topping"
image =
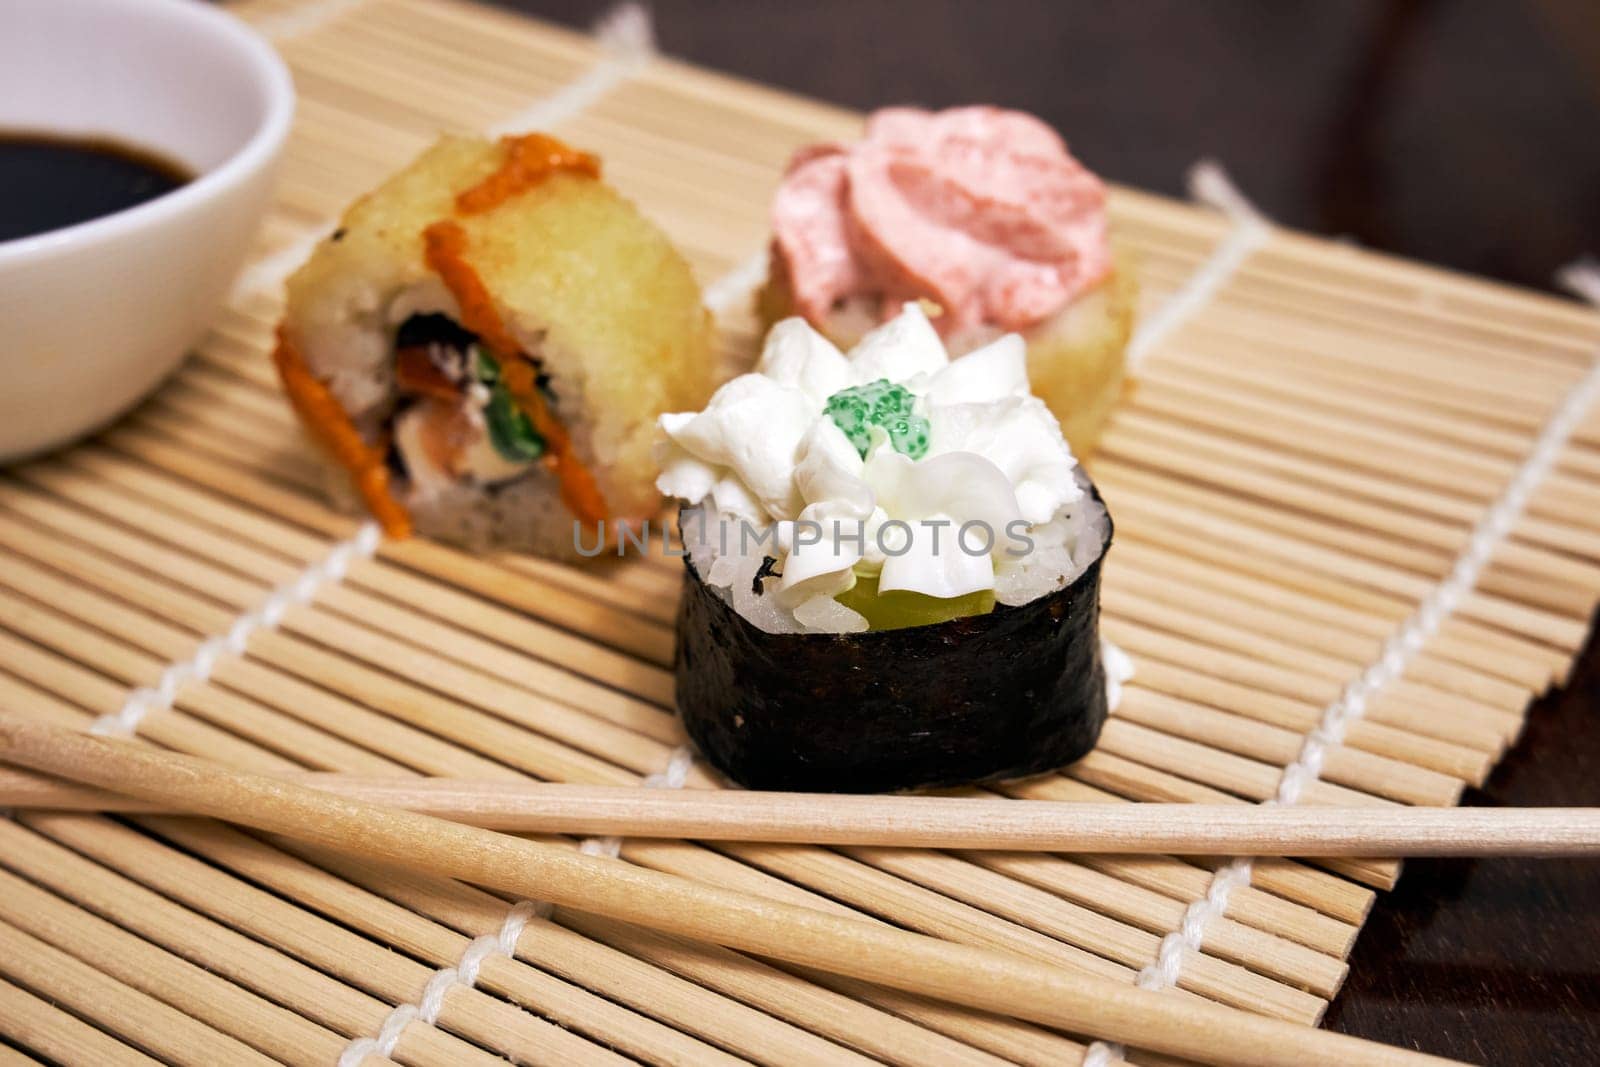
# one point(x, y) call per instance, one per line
point(978, 209)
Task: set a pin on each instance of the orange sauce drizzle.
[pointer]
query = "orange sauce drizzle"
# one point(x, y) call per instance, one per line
point(445, 246)
point(445, 243)
point(530, 159)
point(320, 411)
point(579, 492)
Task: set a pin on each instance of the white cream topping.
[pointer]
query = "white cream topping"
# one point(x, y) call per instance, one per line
point(765, 451)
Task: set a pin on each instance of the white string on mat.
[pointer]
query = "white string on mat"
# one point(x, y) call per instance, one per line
point(673, 776)
point(464, 973)
point(329, 570)
point(304, 18)
point(737, 283)
point(1119, 668)
point(627, 43)
point(1209, 184)
point(1397, 652)
point(501, 943)
point(1583, 278)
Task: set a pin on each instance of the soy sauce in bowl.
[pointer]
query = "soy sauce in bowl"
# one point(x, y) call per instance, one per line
point(50, 180)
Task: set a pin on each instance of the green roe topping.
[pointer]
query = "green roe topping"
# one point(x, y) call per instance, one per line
point(857, 409)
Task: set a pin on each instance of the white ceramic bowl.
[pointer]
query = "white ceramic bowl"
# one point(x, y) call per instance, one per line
point(93, 316)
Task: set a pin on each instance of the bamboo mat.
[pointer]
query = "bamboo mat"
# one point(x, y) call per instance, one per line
point(1301, 464)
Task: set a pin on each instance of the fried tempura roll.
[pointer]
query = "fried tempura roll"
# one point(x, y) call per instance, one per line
point(485, 343)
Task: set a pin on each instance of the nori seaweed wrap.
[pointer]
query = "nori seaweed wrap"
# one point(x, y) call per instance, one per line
point(883, 657)
point(1014, 692)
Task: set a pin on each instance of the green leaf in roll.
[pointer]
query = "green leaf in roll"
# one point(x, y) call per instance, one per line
point(510, 430)
point(512, 435)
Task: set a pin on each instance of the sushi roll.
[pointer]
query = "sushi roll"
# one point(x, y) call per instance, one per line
point(485, 343)
point(979, 211)
point(892, 567)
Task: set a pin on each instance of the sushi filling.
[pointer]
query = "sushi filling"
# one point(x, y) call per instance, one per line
point(890, 488)
point(455, 421)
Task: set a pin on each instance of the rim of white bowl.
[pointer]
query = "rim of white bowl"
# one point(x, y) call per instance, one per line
point(266, 68)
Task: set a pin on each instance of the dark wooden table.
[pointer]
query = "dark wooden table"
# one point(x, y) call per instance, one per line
point(1456, 132)
point(1495, 961)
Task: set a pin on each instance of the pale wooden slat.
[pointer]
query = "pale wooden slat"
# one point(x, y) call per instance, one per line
point(138, 1017)
point(54, 1033)
point(283, 1035)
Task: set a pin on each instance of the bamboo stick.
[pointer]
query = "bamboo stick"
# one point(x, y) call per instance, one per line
point(276, 922)
point(1251, 295)
point(1228, 535)
point(1216, 602)
point(1429, 357)
point(1266, 298)
point(1504, 715)
point(1350, 626)
point(1359, 399)
point(1461, 639)
point(10, 1055)
point(1103, 778)
point(1120, 939)
point(980, 978)
point(53, 1032)
point(254, 720)
point(656, 989)
point(1354, 544)
point(923, 821)
point(1246, 308)
point(1389, 778)
point(501, 1028)
point(301, 653)
point(1024, 902)
point(141, 1019)
point(197, 881)
point(1139, 782)
point(1282, 911)
point(574, 1008)
point(379, 578)
point(453, 720)
point(221, 949)
point(263, 1025)
point(1434, 468)
point(1342, 273)
point(1427, 382)
point(1317, 968)
point(350, 600)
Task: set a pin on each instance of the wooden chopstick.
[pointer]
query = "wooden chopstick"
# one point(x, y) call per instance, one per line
point(992, 980)
point(925, 821)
